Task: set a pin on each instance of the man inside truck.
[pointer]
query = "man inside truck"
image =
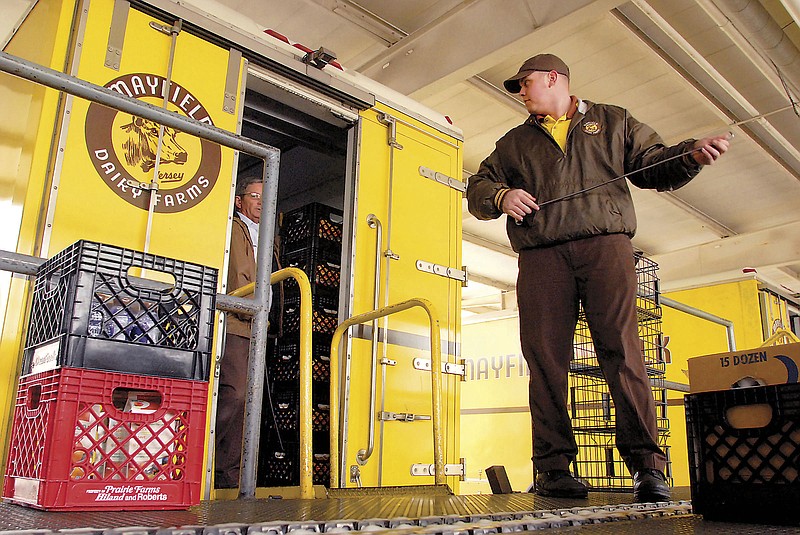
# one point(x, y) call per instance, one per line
point(570, 158)
point(232, 390)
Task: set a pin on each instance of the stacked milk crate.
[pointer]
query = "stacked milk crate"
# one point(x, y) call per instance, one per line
point(591, 408)
point(743, 431)
point(111, 404)
point(311, 240)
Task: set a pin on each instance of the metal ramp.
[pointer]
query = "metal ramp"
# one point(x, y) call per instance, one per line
point(603, 512)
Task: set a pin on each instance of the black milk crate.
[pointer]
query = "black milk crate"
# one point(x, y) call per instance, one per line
point(744, 454)
point(322, 264)
point(324, 312)
point(92, 309)
point(320, 298)
point(311, 225)
point(280, 466)
point(284, 364)
point(286, 409)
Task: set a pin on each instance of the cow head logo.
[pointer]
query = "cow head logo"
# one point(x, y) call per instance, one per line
point(142, 144)
point(129, 153)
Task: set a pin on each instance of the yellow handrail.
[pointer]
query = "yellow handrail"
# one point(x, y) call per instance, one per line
point(436, 382)
point(781, 335)
point(306, 468)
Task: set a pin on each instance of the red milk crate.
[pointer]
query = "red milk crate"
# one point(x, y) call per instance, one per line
point(86, 440)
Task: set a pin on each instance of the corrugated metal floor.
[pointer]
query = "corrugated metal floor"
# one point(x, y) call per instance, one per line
point(603, 512)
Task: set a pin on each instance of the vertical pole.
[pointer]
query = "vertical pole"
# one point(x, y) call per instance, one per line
point(258, 337)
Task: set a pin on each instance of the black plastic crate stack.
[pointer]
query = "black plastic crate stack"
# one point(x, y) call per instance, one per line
point(311, 240)
point(114, 385)
point(590, 404)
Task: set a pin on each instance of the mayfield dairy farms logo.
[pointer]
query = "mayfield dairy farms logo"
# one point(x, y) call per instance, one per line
point(123, 148)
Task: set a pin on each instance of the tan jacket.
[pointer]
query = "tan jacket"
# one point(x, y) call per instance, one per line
point(241, 271)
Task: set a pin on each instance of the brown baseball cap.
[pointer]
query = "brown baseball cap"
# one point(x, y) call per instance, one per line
point(539, 62)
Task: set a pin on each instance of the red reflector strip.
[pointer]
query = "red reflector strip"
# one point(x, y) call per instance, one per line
point(277, 35)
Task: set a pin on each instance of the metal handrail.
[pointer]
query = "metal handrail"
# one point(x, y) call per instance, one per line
point(436, 382)
point(363, 455)
point(306, 448)
point(728, 324)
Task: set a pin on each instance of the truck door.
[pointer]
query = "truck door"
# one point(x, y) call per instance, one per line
point(403, 195)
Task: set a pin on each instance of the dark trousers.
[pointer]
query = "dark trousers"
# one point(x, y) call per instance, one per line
point(600, 273)
point(232, 394)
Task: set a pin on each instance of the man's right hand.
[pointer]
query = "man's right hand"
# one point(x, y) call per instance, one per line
point(518, 203)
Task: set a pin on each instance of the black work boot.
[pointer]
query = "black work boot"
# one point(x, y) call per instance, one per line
point(560, 484)
point(650, 485)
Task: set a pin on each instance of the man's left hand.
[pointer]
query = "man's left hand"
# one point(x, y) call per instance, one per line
point(709, 149)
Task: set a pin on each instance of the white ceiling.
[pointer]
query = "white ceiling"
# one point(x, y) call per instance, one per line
point(688, 68)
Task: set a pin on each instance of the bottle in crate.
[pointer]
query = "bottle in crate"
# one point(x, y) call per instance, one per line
point(322, 264)
point(744, 448)
point(279, 459)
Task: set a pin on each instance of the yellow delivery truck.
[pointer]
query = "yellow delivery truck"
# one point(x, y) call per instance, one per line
point(77, 170)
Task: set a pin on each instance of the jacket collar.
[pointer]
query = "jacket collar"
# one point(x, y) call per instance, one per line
point(577, 106)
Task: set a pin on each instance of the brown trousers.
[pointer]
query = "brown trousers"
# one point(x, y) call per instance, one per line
point(599, 273)
point(232, 394)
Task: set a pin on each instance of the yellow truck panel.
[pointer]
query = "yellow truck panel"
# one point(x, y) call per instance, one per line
point(107, 155)
point(420, 223)
point(495, 418)
point(80, 163)
point(687, 336)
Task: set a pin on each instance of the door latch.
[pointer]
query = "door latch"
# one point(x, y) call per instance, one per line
point(387, 416)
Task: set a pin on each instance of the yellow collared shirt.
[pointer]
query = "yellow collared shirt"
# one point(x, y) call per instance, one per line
point(558, 128)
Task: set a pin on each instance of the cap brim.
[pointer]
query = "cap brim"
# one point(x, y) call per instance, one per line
point(512, 85)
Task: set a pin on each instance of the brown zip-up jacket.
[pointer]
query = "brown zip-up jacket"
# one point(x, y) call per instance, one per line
point(241, 271)
point(603, 142)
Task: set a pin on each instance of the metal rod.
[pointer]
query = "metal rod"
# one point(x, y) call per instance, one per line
point(436, 382)
point(20, 263)
point(271, 156)
point(258, 336)
point(154, 181)
point(80, 88)
point(363, 455)
point(666, 301)
point(678, 387)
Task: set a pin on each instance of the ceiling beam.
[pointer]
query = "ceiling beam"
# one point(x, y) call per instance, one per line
point(657, 34)
point(764, 250)
point(489, 281)
point(448, 50)
point(488, 244)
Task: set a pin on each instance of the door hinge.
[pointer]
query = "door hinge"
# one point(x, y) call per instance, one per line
point(387, 416)
point(461, 275)
point(459, 470)
point(447, 367)
point(442, 178)
point(390, 121)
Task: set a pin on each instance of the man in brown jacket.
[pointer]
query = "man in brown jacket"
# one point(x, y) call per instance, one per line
point(234, 365)
point(577, 251)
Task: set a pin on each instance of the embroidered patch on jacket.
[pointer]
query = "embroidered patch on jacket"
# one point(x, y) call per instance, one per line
point(591, 127)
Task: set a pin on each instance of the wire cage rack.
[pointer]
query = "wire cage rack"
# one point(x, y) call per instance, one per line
point(591, 406)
